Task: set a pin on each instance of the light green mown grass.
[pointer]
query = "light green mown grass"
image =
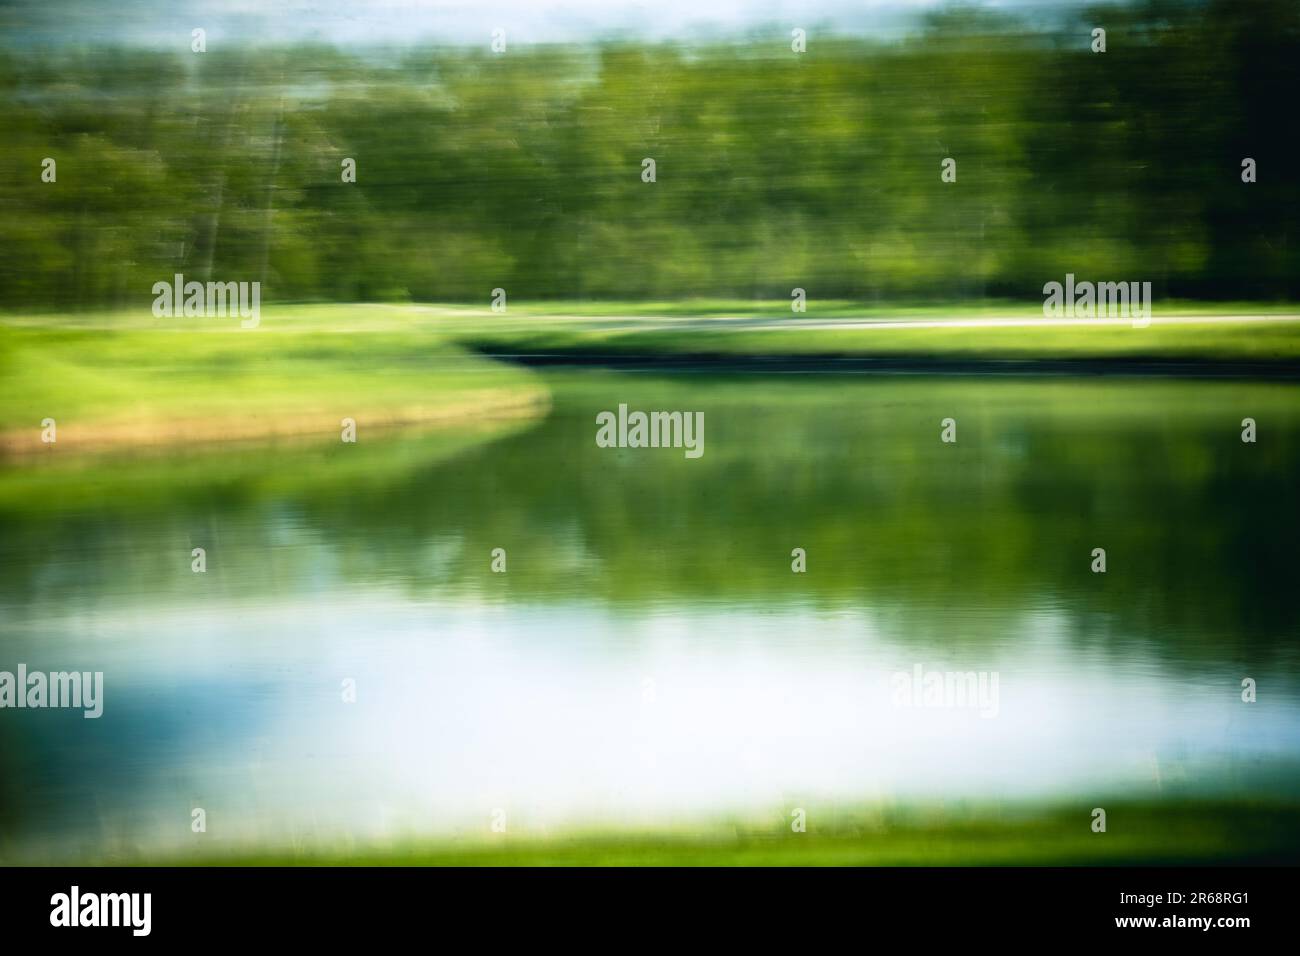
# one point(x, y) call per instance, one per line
point(123, 387)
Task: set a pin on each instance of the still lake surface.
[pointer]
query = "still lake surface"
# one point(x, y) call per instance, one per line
point(649, 659)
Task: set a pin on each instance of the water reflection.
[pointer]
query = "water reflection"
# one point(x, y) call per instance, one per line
point(649, 657)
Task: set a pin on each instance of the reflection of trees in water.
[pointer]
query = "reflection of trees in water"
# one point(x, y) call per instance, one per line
point(1199, 530)
point(11, 782)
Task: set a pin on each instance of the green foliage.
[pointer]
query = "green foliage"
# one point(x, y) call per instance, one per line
point(775, 170)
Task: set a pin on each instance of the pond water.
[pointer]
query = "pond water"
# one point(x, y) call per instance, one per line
point(649, 658)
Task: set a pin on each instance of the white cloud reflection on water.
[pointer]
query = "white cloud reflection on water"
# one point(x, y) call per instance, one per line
point(544, 710)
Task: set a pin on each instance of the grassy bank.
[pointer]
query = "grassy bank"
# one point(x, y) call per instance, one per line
point(120, 385)
point(118, 380)
point(1178, 832)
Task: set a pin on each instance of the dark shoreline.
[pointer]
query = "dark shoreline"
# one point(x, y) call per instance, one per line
point(1279, 370)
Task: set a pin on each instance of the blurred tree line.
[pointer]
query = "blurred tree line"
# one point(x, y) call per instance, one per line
point(774, 170)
